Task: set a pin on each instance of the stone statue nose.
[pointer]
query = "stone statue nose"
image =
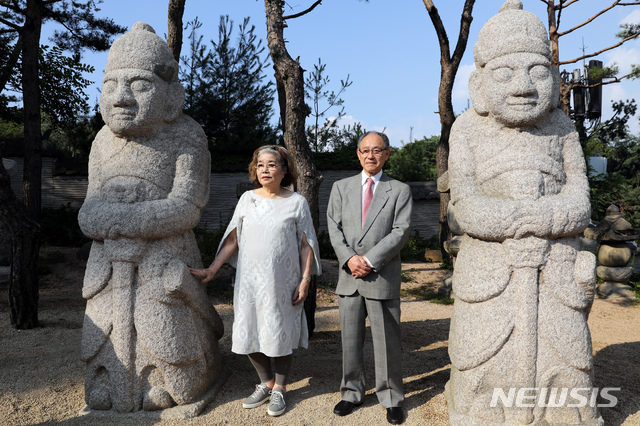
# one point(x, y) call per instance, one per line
point(522, 85)
point(123, 95)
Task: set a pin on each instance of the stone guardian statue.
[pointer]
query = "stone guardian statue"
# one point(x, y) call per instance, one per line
point(150, 334)
point(519, 342)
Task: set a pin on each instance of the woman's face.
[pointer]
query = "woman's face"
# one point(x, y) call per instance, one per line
point(268, 170)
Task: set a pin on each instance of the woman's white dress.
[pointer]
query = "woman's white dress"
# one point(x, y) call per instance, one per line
point(268, 271)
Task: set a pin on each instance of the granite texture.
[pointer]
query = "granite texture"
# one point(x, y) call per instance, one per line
point(519, 198)
point(150, 335)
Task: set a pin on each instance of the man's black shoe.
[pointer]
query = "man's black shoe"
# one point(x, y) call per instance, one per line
point(395, 416)
point(344, 407)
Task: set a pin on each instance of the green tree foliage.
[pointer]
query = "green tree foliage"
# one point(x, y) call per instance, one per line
point(23, 20)
point(344, 143)
point(226, 90)
point(415, 161)
point(621, 184)
point(322, 136)
point(74, 138)
point(62, 84)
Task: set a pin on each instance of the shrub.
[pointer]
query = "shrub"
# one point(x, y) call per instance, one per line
point(208, 242)
point(60, 227)
point(416, 245)
point(326, 249)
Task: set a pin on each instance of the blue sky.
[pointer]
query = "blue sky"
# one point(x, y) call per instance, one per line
point(389, 49)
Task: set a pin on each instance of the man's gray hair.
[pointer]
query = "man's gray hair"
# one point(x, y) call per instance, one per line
point(384, 138)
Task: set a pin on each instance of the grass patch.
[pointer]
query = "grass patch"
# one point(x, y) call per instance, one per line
point(446, 266)
point(426, 292)
point(329, 284)
point(406, 278)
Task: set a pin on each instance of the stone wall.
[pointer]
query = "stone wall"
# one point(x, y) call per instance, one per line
point(60, 190)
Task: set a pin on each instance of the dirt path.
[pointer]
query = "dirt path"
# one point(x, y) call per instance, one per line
point(42, 377)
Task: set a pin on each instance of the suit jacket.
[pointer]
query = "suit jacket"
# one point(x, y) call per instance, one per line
point(386, 230)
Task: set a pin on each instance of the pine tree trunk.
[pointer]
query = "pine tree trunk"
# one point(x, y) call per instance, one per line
point(32, 179)
point(449, 67)
point(293, 110)
point(174, 36)
point(23, 220)
point(25, 237)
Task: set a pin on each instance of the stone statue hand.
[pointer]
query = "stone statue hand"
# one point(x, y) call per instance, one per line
point(532, 221)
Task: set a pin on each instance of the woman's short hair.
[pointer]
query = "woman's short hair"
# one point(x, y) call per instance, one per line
point(286, 162)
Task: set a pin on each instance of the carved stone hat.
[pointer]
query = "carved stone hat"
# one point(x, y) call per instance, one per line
point(512, 30)
point(141, 48)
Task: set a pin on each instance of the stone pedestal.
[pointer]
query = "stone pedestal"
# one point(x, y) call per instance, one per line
point(614, 255)
point(614, 258)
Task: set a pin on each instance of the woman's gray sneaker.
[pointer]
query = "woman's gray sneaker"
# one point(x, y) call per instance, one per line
point(258, 397)
point(276, 403)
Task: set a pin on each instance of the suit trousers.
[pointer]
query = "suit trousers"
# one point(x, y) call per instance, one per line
point(384, 318)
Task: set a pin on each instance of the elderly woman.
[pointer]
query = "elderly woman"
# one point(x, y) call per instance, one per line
point(273, 245)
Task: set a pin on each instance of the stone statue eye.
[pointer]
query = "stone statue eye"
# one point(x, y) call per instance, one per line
point(109, 86)
point(141, 85)
point(502, 75)
point(539, 72)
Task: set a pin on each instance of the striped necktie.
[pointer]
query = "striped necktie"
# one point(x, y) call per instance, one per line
point(368, 196)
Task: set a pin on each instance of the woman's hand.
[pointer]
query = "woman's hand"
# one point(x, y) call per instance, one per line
point(301, 292)
point(207, 273)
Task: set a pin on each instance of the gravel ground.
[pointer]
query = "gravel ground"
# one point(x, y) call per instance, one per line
point(42, 377)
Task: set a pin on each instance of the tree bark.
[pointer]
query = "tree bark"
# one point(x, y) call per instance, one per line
point(174, 37)
point(449, 65)
point(32, 178)
point(22, 220)
point(293, 111)
point(25, 237)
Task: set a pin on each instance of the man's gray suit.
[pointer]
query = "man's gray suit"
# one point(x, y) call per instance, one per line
point(376, 295)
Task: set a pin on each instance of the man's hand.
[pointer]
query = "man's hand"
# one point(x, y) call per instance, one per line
point(358, 266)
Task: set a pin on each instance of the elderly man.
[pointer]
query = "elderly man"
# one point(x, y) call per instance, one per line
point(369, 220)
point(519, 197)
point(150, 333)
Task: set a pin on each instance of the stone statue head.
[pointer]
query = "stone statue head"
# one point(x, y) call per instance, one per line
point(514, 81)
point(140, 89)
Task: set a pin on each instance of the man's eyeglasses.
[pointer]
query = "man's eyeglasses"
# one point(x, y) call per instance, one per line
point(376, 151)
point(272, 167)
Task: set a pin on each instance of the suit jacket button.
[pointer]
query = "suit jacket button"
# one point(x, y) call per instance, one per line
point(359, 245)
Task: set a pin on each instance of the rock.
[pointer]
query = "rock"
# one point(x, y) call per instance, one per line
point(10, 166)
point(616, 291)
point(616, 274)
point(519, 198)
point(445, 288)
point(614, 254)
point(452, 246)
point(150, 335)
point(434, 256)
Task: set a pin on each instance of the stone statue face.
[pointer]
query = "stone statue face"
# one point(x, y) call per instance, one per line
point(518, 88)
point(133, 102)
